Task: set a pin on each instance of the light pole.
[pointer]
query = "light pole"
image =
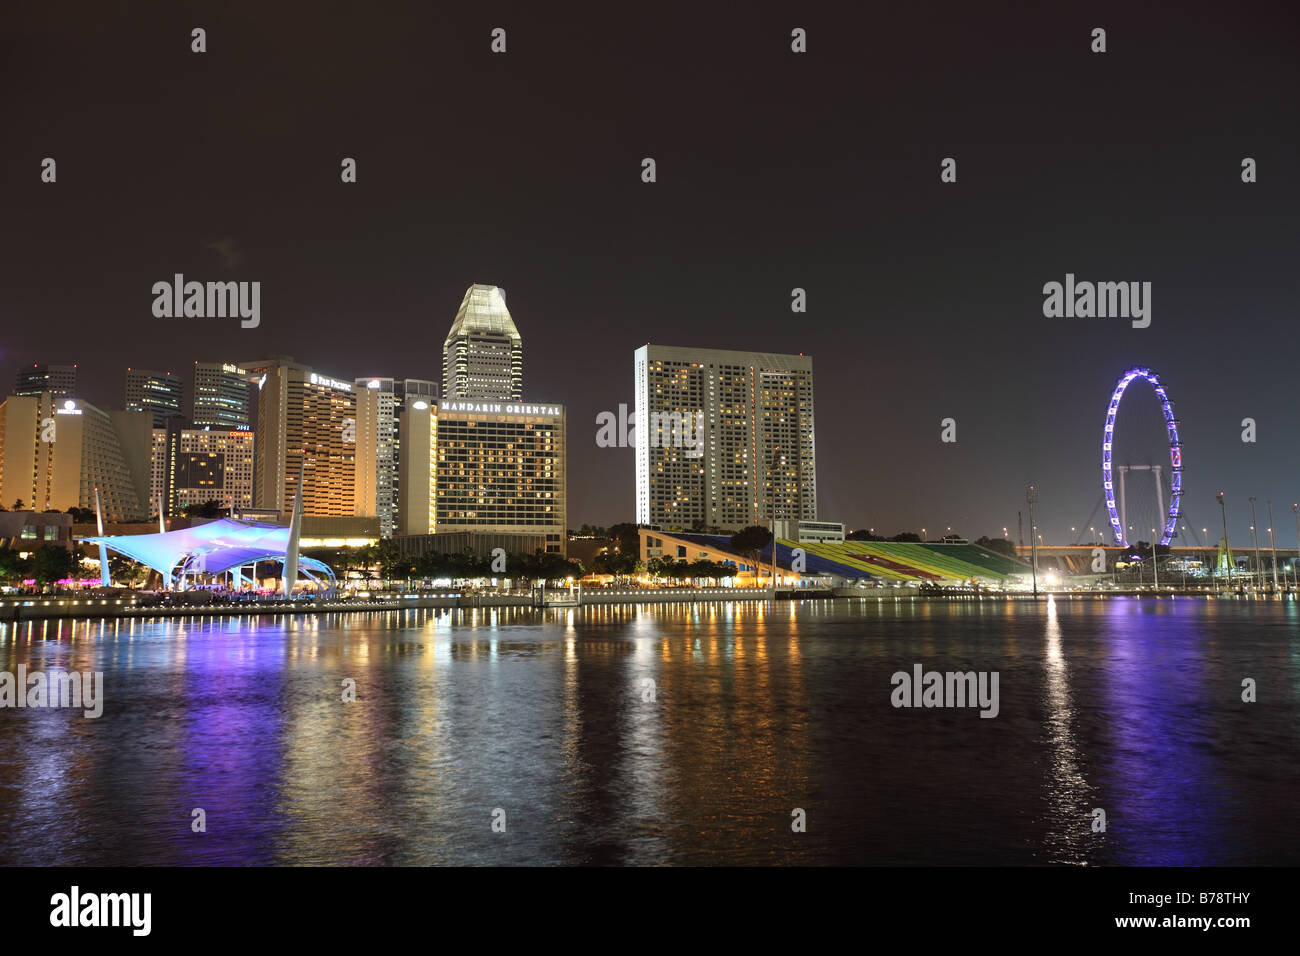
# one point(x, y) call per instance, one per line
point(1272, 544)
point(1155, 570)
point(1255, 537)
point(1032, 495)
point(776, 450)
point(1227, 551)
point(1295, 510)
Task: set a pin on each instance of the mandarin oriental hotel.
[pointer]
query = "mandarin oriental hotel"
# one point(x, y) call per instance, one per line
point(489, 466)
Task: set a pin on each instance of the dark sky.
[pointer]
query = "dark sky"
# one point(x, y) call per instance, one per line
point(775, 170)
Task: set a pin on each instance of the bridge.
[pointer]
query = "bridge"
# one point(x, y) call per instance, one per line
point(1077, 559)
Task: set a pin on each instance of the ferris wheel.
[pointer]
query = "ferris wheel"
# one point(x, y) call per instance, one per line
point(1118, 512)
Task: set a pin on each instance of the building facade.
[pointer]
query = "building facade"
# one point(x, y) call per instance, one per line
point(158, 393)
point(483, 356)
point(380, 403)
point(58, 380)
point(308, 419)
point(192, 466)
point(55, 452)
point(727, 439)
point(220, 397)
point(487, 467)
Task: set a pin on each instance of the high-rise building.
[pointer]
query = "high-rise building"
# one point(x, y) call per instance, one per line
point(220, 396)
point(417, 506)
point(485, 467)
point(55, 452)
point(158, 393)
point(58, 380)
point(483, 356)
point(303, 418)
point(723, 439)
point(380, 402)
point(192, 466)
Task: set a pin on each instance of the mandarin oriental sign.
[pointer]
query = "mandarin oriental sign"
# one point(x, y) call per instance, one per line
point(504, 408)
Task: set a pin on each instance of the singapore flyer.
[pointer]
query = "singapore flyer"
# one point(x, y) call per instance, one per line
point(1117, 518)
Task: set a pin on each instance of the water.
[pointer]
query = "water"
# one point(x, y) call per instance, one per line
point(1132, 706)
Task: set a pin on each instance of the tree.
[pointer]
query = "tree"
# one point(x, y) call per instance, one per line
point(906, 536)
point(713, 570)
point(52, 563)
point(628, 539)
point(620, 564)
point(123, 570)
point(863, 535)
point(19, 506)
point(390, 560)
point(750, 542)
point(13, 567)
point(209, 509)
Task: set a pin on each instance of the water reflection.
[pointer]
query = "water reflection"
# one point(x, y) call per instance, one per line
point(661, 734)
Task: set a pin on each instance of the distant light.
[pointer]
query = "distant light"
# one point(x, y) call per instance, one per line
point(373, 383)
point(421, 406)
point(69, 404)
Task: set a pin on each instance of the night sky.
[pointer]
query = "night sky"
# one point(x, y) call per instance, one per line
point(775, 171)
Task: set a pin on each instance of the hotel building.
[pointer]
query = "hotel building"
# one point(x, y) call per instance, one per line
point(220, 396)
point(485, 467)
point(192, 466)
point(750, 456)
point(308, 419)
point(55, 451)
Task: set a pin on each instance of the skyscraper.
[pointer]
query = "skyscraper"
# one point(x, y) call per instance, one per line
point(723, 439)
point(308, 418)
point(220, 396)
point(483, 356)
point(158, 393)
point(58, 380)
point(380, 402)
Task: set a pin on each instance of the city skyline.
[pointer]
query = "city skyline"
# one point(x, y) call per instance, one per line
point(924, 299)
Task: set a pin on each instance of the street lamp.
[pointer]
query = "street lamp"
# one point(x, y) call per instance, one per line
point(1227, 548)
point(1272, 544)
point(1255, 537)
point(1295, 510)
point(1031, 495)
point(1155, 571)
